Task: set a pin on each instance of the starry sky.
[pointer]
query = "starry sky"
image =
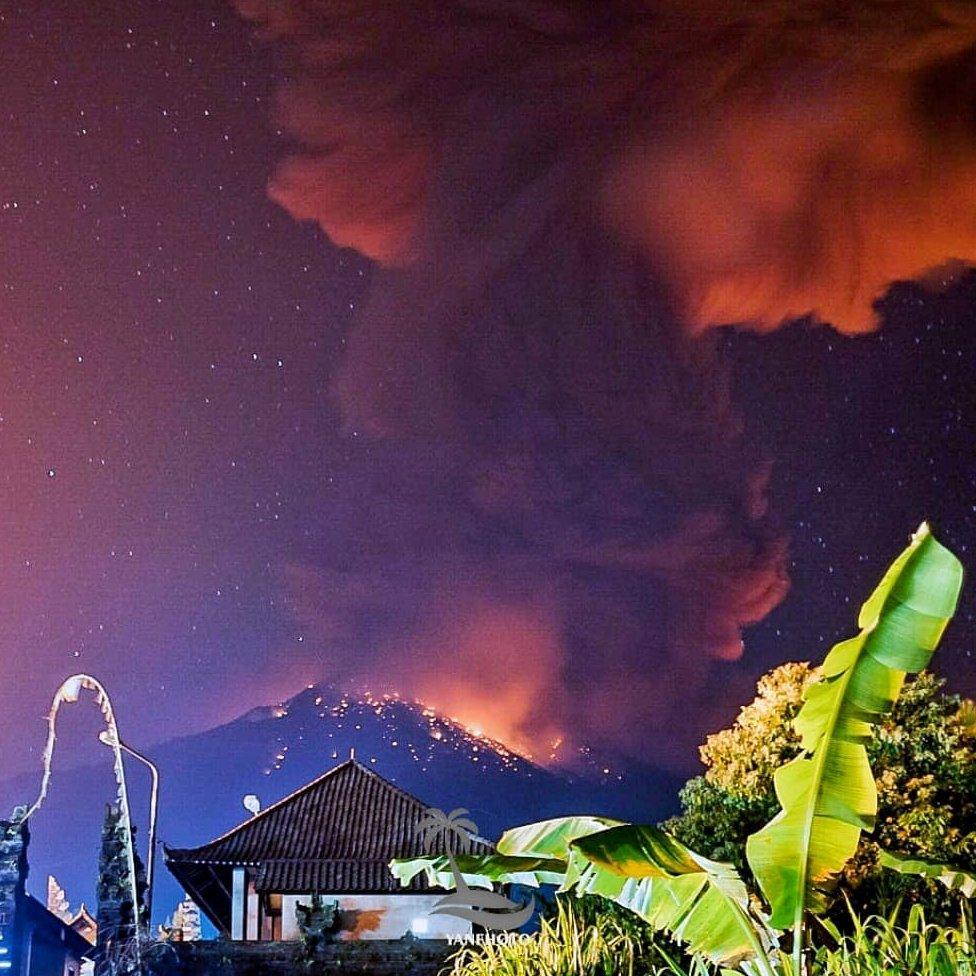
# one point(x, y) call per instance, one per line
point(869, 435)
point(173, 454)
point(166, 336)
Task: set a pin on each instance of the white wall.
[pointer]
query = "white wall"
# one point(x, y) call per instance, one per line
point(251, 916)
point(379, 916)
point(237, 909)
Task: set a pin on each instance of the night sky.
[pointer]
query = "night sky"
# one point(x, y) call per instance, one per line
point(167, 331)
point(181, 484)
point(869, 435)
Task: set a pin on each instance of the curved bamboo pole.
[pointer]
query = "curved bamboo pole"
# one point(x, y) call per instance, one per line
point(70, 691)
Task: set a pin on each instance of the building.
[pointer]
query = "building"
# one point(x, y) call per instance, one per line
point(49, 946)
point(83, 922)
point(334, 837)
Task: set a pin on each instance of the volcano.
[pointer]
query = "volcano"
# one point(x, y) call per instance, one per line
point(272, 750)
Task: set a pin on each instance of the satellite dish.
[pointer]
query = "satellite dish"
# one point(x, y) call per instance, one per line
point(252, 804)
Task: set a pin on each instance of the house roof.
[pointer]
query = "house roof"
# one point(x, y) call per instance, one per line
point(336, 875)
point(84, 923)
point(336, 834)
point(54, 928)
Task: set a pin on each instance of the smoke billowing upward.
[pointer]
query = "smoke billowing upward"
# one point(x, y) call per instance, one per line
point(566, 528)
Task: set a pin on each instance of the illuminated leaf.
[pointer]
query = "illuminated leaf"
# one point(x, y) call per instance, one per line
point(481, 871)
point(700, 902)
point(953, 878)
point(828, 794)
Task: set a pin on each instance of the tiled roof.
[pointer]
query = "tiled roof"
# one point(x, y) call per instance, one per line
point(348, 876)
point(338, 833)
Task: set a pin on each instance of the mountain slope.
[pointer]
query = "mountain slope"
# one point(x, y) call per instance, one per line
point(272, 751)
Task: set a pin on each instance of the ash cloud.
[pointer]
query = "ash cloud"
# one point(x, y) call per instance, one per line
point(561, 197)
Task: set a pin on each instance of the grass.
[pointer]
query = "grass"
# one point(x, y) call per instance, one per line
point(567, 944)
point(577, 942)
point(879, 946)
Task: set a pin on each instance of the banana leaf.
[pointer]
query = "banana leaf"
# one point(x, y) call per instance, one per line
point(827, 794)
point(481, 870)
point(700, 902)
point(534, 854)
point(551, 838)
point(955, 879)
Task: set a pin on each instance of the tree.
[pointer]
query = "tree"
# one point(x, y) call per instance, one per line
point(115, 912)
point(924, 760)
point(735, 797)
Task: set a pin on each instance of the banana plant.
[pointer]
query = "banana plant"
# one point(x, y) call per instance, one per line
point(827, 797)
point(955, 879)
point(702, 903)
point(827, 794)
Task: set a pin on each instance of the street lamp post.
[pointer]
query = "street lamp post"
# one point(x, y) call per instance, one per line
point(107, 738)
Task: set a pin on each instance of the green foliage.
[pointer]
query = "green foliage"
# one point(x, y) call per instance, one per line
point(574, 941)
point(924, 761)
point(880, 946)
point(827, 793)
point(480, 872)
point(735, 798)
point(591, 936)
point(701, 903)
point(947, 875)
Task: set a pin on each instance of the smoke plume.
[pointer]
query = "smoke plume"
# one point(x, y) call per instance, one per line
point(565, 528)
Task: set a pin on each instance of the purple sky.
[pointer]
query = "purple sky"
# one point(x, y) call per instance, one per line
point(186, 516)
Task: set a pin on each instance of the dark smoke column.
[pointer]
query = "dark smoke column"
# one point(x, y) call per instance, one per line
point(568, 507)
